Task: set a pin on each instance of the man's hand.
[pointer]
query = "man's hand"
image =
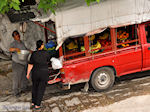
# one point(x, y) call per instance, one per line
point(14, 49)
point(17, 49)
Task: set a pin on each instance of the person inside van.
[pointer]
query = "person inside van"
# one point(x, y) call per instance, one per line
point(94, 44)
point(71, 45)
point(104, 39)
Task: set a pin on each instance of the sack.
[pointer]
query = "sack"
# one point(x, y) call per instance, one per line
point(56, 63)
point(50, 44)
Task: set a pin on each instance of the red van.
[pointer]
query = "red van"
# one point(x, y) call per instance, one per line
point(101, 57)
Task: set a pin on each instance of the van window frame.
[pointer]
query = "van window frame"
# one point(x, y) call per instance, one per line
point(130, 41)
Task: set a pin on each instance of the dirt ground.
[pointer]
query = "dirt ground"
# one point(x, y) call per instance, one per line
point(73, 100)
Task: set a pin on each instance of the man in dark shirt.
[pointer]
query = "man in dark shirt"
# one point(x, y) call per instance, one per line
point(18, 66)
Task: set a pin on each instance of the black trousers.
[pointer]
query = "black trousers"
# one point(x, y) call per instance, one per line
point(39, 83)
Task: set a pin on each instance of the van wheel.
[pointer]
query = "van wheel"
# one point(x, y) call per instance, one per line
point(103, 79)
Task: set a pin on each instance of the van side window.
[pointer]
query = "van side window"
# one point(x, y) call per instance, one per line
point(101, 42)
point(72, 48)
point(127, 36)
point(147, 32)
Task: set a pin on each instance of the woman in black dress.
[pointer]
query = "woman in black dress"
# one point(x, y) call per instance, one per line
point(39, 65)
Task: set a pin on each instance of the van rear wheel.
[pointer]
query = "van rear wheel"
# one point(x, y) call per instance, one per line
point(103, 79)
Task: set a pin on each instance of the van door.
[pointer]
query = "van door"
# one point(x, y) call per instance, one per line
point(128, 57)
point(145, 34)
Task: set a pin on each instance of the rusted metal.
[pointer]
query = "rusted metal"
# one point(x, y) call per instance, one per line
point(44, 27)
point(60, 51)
point(86, 45)
point(113, 38)
point(46, 36)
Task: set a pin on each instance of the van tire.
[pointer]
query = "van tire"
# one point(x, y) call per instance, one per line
point(102, 79)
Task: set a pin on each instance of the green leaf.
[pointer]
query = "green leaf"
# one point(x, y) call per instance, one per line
point(22, 0)
point(3, 3)
point(40, 5)
point(52, 10)
point(5, 9)
point(88, 2)
point(49, 4)
point(11, 5)
point(54, 2)
point(16, 1)
point(15, 6)
point(98, 1)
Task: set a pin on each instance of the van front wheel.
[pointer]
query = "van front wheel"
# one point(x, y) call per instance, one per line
point(103, 79)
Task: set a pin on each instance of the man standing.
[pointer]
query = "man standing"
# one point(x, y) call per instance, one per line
point(18, 67)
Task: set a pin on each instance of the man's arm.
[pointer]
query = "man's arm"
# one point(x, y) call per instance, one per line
point(14, 49)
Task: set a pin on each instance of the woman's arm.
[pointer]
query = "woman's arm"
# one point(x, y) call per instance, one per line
point(30, 66)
